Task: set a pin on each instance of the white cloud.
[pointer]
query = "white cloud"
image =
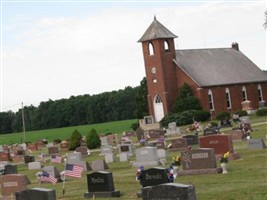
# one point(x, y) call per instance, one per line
point(53, 57)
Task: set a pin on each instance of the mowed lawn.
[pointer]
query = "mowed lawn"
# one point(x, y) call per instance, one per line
point(246, 178)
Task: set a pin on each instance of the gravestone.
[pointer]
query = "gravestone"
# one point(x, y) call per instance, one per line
point(169, 191)
point(123, 157)
point(172, 129)
point(107, 149)
point(220, 143)
point(36, 194)
point(225, 123)
point(109, 158)
point(162, 155)
point(100, 184)
point(236, 134)
point(83, 150)
point(262, 104)
point(99, 165)
point(20, 152)
point(154, 176)
point(52, 170)
point(29, 158)
point(178, 144)
point(76, 158)
point(53, 150)
point(12, 183)
point(146, 156)
point(199, 161)
point(32, 146)
point(126, 148)
point(140, 133)
point(191, 139)
point(34, 165)
point(5, 156)
point(256, 143)
point(104, 140)
point(40, 144)
point(10, 169)
point(18, 158)
point(64, 146)
point(210, 131)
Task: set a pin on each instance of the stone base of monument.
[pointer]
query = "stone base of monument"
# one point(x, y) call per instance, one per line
point(200, 171)
point(115, 193)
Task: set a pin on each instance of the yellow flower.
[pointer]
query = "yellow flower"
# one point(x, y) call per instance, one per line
point(226, 155)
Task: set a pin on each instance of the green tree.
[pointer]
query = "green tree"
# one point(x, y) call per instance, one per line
point(141, 100)
point(75, 140)
point(92, 140)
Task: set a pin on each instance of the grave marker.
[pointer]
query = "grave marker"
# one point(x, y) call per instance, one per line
point(12, 183)
point(99, 165)
point(100, 184)
point(36, 194)
point(256, 143)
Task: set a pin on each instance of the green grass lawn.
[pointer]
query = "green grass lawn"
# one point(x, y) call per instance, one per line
point(246, 178)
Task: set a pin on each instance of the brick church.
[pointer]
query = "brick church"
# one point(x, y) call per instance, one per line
point(223, 79)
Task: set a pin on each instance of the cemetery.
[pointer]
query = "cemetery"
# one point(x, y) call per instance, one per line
point(210, 166)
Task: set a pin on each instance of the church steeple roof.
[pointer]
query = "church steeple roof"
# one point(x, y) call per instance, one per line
point(155, 31)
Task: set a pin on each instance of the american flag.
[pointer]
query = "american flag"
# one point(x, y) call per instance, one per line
point(46, 177)
point(56, 159)
point(73, 170)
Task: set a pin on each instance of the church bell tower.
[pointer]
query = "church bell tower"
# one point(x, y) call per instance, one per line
point(159, 52)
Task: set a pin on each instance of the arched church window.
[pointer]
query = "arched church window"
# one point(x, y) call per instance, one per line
point(228, 98)
point(260, 93)
point(150, 49)
point(166, 46)
point(158, 99)
point(211, 102)
point(244, 93)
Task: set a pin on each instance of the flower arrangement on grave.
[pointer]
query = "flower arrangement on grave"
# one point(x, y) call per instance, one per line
point(225, 157)
point(176, 161)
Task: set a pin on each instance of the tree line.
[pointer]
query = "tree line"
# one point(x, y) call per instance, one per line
point(127, 103)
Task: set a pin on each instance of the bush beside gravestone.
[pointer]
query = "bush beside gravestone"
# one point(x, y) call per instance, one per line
point(223, 115)
point(261, 112)
point(92, 140)
point(75, 140)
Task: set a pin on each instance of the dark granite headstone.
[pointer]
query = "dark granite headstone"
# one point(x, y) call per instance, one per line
point(154, 176)
point(210, 131)
point(29, 158)
point(100, 184)
point(10, 169)
point(191, 139)
point(36, 194)
point(256, 143)
point(169, 191)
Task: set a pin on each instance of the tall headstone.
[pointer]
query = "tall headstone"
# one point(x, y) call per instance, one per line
point(52, 170)
point(100, 184)
point(5, 156)
point(169, 191)
point(53, 150)
point(83, 150)
point(106, 149)
point(36, 194)
point(76, 158)
point(154, 176)
point(126, 148)
point(10, 169)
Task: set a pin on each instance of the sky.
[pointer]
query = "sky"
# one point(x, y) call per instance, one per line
point(58, 49)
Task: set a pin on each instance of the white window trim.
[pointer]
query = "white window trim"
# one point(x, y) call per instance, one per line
point(212, 101)
point(227, 91)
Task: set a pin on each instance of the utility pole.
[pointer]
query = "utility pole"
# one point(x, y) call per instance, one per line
point(23, 122)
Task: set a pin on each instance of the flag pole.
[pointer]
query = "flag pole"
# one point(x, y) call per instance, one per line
point(64, 178)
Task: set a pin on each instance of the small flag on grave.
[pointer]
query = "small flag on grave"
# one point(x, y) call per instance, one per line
point(56, 159)
point(46, 177)
point(73, 171)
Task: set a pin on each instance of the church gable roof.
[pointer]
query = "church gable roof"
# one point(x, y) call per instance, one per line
point(155, 31)
point(221, 66)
